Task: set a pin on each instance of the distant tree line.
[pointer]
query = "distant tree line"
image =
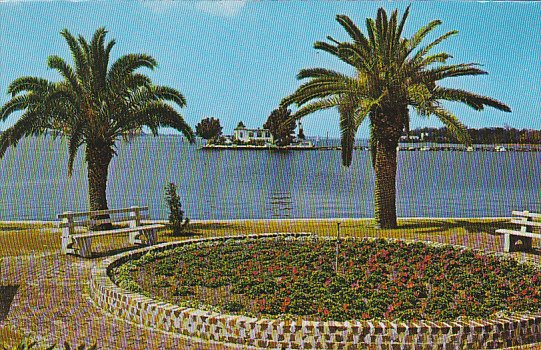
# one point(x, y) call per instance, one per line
point(479, 136)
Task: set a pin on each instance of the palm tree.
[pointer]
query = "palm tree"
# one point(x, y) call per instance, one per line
point(93, 105)
point(392, 73)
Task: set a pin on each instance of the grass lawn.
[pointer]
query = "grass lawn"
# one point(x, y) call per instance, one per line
point(24, 239)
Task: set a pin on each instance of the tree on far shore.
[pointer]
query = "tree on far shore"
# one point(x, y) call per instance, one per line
point(392, 73)
point(95, 104)
point(281, 125)
point(209, 128)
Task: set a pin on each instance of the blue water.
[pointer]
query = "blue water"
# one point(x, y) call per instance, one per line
point(262, 184)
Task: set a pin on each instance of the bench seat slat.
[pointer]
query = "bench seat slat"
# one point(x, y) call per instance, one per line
point(519, 233)
point(528, 214)
point(526, 223)
point(99, 212)
point(117, 231)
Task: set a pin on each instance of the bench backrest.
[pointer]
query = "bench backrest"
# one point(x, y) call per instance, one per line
point(87, 219)
point(527, 220)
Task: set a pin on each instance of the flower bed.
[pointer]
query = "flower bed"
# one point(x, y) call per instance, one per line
point(376, 279)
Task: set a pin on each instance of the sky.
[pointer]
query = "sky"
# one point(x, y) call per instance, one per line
point(236, 60)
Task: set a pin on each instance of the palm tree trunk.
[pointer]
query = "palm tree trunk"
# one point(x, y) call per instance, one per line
point(98, 160)
point(385, 185)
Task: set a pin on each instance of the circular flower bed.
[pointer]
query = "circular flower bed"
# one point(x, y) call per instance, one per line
point(375, 279)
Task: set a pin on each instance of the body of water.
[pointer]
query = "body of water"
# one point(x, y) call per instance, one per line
point(251, 184)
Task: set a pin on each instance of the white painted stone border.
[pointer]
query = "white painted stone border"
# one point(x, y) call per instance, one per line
point(301, 334)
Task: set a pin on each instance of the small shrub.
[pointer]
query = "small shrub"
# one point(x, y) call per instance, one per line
point(176, 214)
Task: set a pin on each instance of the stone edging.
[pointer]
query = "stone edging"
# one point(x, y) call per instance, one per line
point(301, 334)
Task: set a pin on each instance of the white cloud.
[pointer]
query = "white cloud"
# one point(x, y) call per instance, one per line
point(161, 6)
point(222, 8)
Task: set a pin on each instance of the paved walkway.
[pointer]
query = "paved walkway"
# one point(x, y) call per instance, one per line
point(52, 304)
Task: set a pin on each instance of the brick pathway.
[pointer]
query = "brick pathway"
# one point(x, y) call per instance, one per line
point(52, 303)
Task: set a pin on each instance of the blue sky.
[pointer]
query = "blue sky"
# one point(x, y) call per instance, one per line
point(235, 60)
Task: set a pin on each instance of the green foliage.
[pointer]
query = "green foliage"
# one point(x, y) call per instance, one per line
point(176, 214)
point(376, 279)
point(209, 128)
point(27, 344)
point(482, 136)
point(281, 125)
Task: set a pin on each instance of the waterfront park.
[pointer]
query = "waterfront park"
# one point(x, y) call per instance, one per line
point(111, 268)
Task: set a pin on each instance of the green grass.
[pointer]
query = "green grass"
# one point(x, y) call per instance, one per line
point(24, 239)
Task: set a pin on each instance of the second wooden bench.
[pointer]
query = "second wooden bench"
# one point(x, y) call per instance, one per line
point(530, 227)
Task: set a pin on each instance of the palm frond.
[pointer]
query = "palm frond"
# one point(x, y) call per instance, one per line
point(18, 103)
point(441, 57)
point(28, 124)
point(321, 88)
point(371, 29)
point(33, 84)
point(169, 94)
point(353, 31)
point(422, 52)
point(455, 127)
point(355, 56)
point(157, 114)
point(348, 127)
point(58, 63)
point(320, 73)
point(324, 46)
point(477, 102)
point(416, 39)
point(443, 72)
point(98, 63)
point(402, 23)
point(319, 105)
point(127, 64)
point(76, 140)
point(77, 53)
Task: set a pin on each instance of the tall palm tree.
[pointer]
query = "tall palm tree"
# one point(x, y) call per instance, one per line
point(392, 73)
point(93, 105)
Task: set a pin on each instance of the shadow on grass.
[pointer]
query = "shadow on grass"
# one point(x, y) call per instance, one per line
point(469, 226)
point(13, 228)
point(110, 252)
point(7, 293)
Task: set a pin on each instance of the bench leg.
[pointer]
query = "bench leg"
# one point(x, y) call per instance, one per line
point(85, 246)
point(67, 245)
point(135, 237)
point(152, 236)
point(148, 237)
point(510, 243)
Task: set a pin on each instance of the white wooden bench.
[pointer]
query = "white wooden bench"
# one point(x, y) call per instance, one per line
point(530, 227)
point(77, 228)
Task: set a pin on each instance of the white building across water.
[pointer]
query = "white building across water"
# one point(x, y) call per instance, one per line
point(243, 134)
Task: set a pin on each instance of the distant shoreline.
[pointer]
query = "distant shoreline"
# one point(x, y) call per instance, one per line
point(417, 147)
